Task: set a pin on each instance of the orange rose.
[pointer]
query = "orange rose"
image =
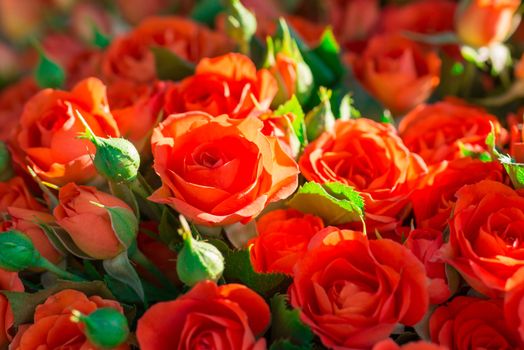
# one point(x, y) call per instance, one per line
point(12, 100)
point(14, 193)
point(130, 57)
point(483, 22)
point(229, 316)
point(47, 135)
point(472, 323)
point(433, 202)
point(389, 344)
point(136, 108)
point(8, 281)
point(353, 291)
point(486, 235)
point(97, 238)
point(514, 303)
point(354, 19)
point(218, 171)
point(52, 327)
point(438, 131)
point(400, 73)
point(26, 221)
point(228, 84)
point(425, 244)
point(283, 237)
point(426, 17)
point(372, 158)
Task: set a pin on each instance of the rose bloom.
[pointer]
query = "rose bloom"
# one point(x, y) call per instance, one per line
point(514, 303)
point(425, 244)
point(486, 235)
point(229, 316)
point(89, 225)
point(26, 221)
point(425, 17)
point(12, 100)
point(472, 323)
point(352, 291)
point(372, 158)
point(438, 131)
point(52, 327)
point(434, 200)
point(354, 19)
point(21, 19)
point(217, 170)
point(228, 84)
point(283, 237)
point(398, 72)
point(130, 57)
point(136, 108)
point(483, 22)
point(47, 136)
point(389, 344)
point(14, 193)
point(8, 281)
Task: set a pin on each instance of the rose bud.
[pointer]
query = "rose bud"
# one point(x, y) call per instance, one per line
point(116, 158)
point(105, 327)
point(17, 251)
point(198, 261)
point(484, 22)
point(85, 213)
point(241, 24)
point(6, 168)
point(320, 118)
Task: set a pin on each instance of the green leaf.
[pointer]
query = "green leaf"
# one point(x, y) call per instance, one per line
point(284, 344)
point(335, 202)
point(48, 73)
point(120, 268)
point(515, 170)
point(286, 325)
point(24, 304)
point(100, 39)
point(328, 51)
point(238, 268)
point(167, 229)
point(299, 127)
point(170, 66)
point(122, 191)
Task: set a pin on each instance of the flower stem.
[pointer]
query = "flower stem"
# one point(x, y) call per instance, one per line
point(49, 266)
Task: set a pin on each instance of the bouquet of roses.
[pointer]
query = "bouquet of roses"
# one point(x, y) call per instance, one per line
point(283, 175)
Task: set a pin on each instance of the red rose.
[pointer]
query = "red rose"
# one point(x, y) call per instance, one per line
point(485, 240)
point(438, 131)
point(130, 57)
point(208, 316)
point(398, 72)
point(514, 303)
point(228, 84)
point(217, 170)
point(352, 291)
point(14, 193)
point(433, 202)
point(472, 323)
point(389, 344)
point(372, 158)
point(12, 100)
point(283, 237)
point(425, 244)
point(8, 281)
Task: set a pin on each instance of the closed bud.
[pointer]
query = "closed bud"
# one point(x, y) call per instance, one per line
point(241, 24)
point(116, 159)
point(6, 169)
point(105, 327)
point(198, 261)
point(17, 252)
point(320, 118)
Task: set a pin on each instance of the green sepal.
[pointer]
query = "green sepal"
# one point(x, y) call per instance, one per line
point(124, 224)
point(120, 269)
point(335, 202)
point(321, 117)
point(48, 73)
point(515, 170)
point(299, 127)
